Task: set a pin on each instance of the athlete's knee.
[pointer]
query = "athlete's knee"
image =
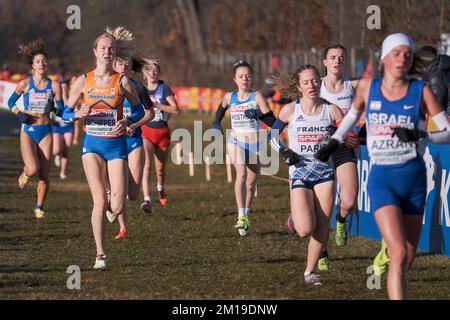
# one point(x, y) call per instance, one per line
point(347, 200)
point(398, 255)
point(303, 229)
point(241, 175)
point(117, 207)
point(31, 170)
point(251, 185)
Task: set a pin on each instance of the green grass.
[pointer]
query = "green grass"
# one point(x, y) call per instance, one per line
point(189, 250)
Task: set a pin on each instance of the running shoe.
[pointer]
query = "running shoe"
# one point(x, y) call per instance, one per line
point(341, 234)
point(242, 225)
point(111, 216)
point(23, 180)
point(122, 234)
point(162, 198)
point(323, 264)
point(290, 225)
point(146, 206)
point(62, 176)
point(312, 279)
point(39, 213)
point(57, 161)
point(100, 262)
point(381, 261)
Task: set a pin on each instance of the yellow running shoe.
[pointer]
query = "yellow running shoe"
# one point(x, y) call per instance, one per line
point(323, 264)
point(23, 180)
point(381, 261)
point(242, 225)
point(39, 213)
point(341, 234)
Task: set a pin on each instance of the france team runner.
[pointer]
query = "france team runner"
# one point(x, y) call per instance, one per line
point(126, 128)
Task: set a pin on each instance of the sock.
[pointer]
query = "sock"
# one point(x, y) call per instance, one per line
point(159, 187)
point(241, 212)
point(339, 218)
point(323, 254)
point(307, 273)
point(38, 206)
point(246, 211)
point(148, 198)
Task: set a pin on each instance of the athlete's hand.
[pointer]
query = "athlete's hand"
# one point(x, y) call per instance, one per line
point(121, 126)
point(83, 111)
point(352, 140)
point(326, 151)
point(290, 157)
point(218, 126)
point(252, 114)
point(23, 117)
point(131, 129)
point(405, 134)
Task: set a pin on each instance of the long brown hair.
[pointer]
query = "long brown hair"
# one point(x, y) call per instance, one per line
point(288, 85)
point(29, 50)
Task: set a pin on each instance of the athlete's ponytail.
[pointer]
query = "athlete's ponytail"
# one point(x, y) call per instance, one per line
point(124, 42)
point(30, 50)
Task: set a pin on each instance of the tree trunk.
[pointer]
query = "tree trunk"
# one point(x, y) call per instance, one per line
point(192, 26)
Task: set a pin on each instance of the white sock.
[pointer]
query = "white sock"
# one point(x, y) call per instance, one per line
point(307, 273)
point(148, 198)
point(159, 187)
point(241, 212)
point(246, 211)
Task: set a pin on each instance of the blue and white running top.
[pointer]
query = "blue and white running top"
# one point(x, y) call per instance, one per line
point(307, 134)
point(159, 95)
point(382, 114)
point(38, 101)
point(239, 122)
point(343, 99)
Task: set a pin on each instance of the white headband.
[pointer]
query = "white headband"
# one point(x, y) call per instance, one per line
point(395, 40)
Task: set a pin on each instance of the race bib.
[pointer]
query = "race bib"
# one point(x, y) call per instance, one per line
point(40, 102)
point(100, 123)
point(239, 121)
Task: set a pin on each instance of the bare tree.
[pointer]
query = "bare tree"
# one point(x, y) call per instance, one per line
point(191, 24)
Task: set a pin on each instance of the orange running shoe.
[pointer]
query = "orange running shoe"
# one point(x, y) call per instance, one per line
point(162, 198)
point(122, 234)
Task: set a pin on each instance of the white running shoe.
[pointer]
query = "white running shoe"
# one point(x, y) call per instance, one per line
point(111, 216)
point(100, 262)
point(57, 161)
point(312, 279)
point(62, 176)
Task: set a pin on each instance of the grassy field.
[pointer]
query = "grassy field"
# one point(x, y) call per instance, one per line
point(188, 250)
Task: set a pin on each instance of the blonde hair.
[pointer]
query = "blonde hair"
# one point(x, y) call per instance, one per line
point(124, 42)
point(139, 63)
point(29, 50)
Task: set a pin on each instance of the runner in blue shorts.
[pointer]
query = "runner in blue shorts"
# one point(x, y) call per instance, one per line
point(39, 96)
point(62, 138)
point(310, 120)
point(104, 148)
point(395, 112)
point(135, 150)
point(247, 107)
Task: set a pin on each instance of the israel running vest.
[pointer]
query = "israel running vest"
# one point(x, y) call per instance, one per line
point(106, 103)
point(239, 122)
point(307, 134)
point(382, 114)
point(38, 101)
point(343, 99)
